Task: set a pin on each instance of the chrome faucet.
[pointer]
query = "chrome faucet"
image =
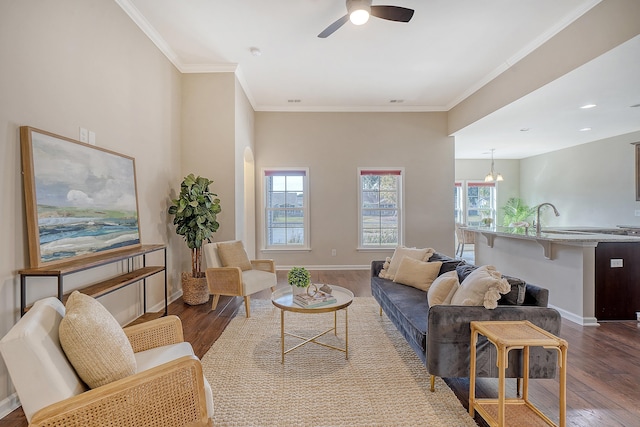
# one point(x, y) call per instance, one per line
point(555, 211)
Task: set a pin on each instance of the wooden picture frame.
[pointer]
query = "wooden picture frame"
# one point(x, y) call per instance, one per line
point(80, 200)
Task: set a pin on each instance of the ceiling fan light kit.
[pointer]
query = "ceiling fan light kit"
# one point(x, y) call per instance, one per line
point(358, 12)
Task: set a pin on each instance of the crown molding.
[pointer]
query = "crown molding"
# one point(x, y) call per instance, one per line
point(209, 68)
point(150, 32)
point(351, 108)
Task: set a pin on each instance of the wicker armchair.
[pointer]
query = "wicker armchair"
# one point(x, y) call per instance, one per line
point(170, 391)
point(234, 281)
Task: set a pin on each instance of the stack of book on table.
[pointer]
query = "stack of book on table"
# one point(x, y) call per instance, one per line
point(317, 300)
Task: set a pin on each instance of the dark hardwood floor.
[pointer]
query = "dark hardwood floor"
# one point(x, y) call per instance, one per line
point(603, 362)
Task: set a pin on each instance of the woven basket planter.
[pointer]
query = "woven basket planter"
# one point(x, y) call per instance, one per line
point(195, 290)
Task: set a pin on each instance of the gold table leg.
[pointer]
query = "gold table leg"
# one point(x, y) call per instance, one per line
point(282, 334)
point(313, 339)
point(346, 333)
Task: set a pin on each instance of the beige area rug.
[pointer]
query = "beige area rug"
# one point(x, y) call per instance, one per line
point(383, 383)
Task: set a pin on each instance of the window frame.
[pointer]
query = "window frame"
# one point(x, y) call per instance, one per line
point(296, 171)
point(399, 208)
point(465, 185)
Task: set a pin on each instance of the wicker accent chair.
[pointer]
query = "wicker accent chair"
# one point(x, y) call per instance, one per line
point(168, 388)
point(259, 275)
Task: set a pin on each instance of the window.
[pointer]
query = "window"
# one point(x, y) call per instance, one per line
point(380, 207)
point(474, 201)
point(458, 206)
point(286, 208)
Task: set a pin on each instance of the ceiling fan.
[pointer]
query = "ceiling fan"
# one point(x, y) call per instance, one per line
point(359, 11)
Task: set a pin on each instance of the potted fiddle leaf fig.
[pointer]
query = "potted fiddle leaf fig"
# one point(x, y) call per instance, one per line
point(195, 217)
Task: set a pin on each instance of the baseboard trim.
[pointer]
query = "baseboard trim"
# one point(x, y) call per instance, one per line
point(160, 306)
point(326, 267)
point(584, 321)
point(9, 404)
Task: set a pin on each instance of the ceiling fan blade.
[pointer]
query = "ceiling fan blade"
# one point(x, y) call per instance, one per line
point(333, 27)
point(392, 13)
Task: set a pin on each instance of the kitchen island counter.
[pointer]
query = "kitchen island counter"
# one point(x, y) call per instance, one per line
point(585, 269)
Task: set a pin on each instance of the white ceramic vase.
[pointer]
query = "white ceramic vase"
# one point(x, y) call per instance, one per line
point(298, 290)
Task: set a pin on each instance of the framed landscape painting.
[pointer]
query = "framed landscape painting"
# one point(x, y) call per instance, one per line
point(80, 200)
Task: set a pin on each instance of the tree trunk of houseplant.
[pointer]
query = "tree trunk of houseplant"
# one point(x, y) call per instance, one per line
point(195, 289)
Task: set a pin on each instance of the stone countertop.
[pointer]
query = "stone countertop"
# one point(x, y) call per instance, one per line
point(559, 235)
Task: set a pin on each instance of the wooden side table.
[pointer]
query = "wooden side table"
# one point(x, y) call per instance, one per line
point(506, 336)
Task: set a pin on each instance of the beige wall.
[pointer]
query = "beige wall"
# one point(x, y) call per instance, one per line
point(591, 184)
point(73, 63)
point(208, 140)
point(218, 142)
point(333, 146)
point(245, 171)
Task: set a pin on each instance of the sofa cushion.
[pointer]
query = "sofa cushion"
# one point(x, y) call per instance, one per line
point(464, 270)
point(516, 294)
point(232, 254)
point(448, 266)
point(256, 280)
point(482, 286)
point(418, 274)
point(94, 342)
point(437, 256)
point(401, 252)
point(443, 288)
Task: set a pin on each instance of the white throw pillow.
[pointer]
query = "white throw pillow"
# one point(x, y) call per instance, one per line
point(94, 342)
point(418, 274)
point(443, 288)
point(482, 287)
point(385, 268)
point(420, 254)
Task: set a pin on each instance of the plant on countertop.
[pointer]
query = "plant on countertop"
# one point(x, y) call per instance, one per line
point(195, 213)
point(516, 211)
point(299, 276)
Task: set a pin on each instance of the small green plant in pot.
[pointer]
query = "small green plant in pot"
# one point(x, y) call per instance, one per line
point(195, 217)
point(516, 211)
point(299, 278)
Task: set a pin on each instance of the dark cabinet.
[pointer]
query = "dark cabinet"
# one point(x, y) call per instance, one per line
point(617, 288)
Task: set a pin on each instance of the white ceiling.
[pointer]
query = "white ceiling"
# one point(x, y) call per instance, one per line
point(448, 50)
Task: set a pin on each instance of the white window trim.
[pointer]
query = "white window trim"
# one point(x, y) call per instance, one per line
point(360, 247)
point(307, 221)
point(465, 186)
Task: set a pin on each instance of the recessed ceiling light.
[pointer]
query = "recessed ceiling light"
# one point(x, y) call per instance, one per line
point(587, 106)
point(255, 51)
point(585, 129)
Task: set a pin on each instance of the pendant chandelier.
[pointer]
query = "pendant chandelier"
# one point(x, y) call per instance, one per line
point(492, 175)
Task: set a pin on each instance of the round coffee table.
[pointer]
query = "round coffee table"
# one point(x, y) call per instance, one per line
point(283, 299)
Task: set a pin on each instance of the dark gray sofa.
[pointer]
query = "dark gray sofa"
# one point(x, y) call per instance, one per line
point(441, 335)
